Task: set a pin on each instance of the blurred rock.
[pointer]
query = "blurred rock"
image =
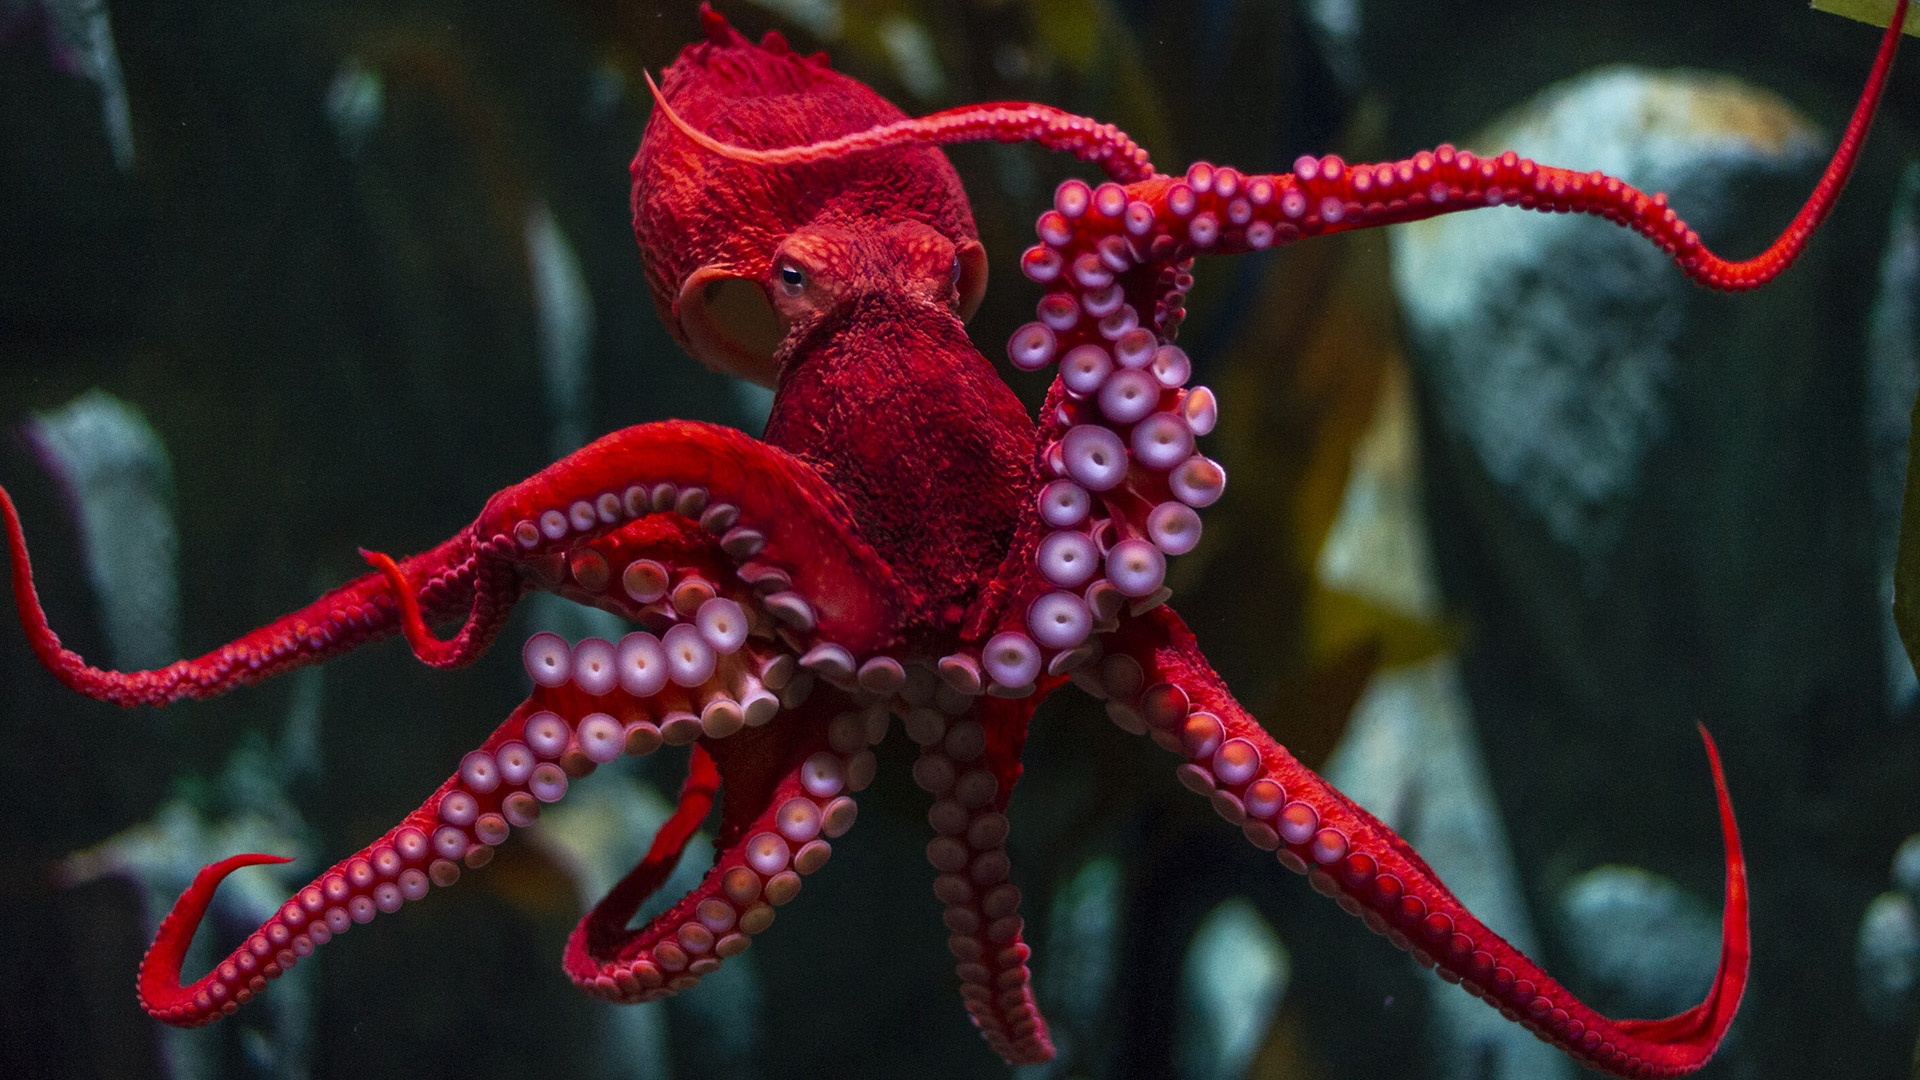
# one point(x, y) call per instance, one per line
point(1549, 341)
point(1610, 434)
point(80, 41)
point(1234, 978)
point(119, 484)
point(1887, 953)
point(565, 308)
point(1076, 979)
point(1640, 943)
point(600, 832)
point(1906, 866)
point(1887, 947)
point(1893, 378)
point(1336, 27)
point(355, 102)
point(916, 60)
point(754, 402)
point(1377, 547)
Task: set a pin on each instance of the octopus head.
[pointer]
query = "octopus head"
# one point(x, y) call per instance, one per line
point(733, 250)
point(821, 274)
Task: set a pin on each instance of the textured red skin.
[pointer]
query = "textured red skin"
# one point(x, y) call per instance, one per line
point(891, 372)
point(692, 209)
point(895, 491)
point(891, 366)
point(809, 534)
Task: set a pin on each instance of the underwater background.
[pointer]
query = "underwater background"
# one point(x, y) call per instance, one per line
point(1513, 507)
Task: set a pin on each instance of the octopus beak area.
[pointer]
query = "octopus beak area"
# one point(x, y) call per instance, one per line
point(787, 789)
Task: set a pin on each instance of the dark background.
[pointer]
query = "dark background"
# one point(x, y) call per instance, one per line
point(341, 350)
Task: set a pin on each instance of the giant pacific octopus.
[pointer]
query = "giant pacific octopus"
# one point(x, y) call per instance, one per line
point(905, 542)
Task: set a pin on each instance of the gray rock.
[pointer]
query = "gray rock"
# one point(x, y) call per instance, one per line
point(1234, 979)
point(565, 305)
point(1652, 502)
point(247, 807)
point(1906, 865)
point(119, 483)
point(1549, 341)
point(1641, 467)
point(1887, 954)
point(1076, 980)
point(80, 40)
point(1644, 944)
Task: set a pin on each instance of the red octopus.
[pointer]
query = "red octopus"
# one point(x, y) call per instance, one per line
point(905, 542)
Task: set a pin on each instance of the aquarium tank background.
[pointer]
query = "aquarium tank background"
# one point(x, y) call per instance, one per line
point(1513, 507)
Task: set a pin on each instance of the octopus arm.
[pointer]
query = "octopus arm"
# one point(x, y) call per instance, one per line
point(500, 784)
point(615, 524)
point(596, 942)
point(1382, 194)
point(787, 789)
point(361, 611)
point(1005, 121)
point(1130, 246)
point(783, 528)
point(787, 793)
point(744, 556)
point(1350, 855)
point(969, 763)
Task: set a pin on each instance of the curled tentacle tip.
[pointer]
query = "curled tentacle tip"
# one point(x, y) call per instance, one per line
point(426, 647)
point(384, 563)
point(1692, 1037)
point(397, 581)
point(159, 983)
point(212, 874)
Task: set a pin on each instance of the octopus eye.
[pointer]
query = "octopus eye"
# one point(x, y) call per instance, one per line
point(953, 273)
point(793, 280)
